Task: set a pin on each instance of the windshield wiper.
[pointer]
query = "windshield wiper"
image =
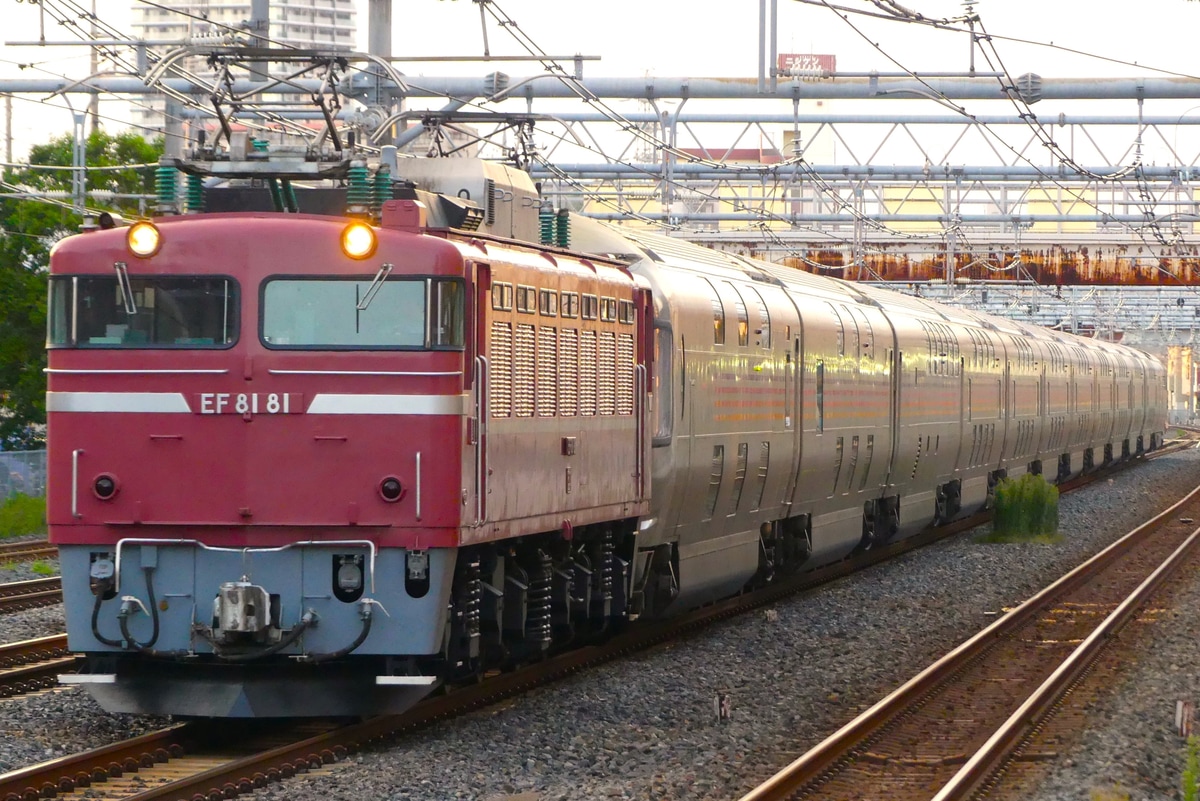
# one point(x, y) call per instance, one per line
point(126, 287)
point(373, 289)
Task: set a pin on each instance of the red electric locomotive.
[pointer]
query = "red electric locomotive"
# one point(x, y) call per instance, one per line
point(301, 464)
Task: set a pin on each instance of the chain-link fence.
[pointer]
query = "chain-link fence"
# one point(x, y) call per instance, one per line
point(22, 472)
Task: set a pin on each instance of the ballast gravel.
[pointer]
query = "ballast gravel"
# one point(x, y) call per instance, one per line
point(646, 727)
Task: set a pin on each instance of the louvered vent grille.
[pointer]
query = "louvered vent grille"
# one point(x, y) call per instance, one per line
point(624, 373)
point(489, 191)
point(606, 379)
point(547, 371)
point(524, 365)
point(587, 373)
point(501, 370)
point(568, 372)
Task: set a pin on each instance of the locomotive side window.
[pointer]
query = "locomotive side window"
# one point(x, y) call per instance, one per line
point(449, 306)
point(502, 297)
point(526, 299)
point(340, 313)
point(608, 309)
point(625, 313)
point(570, 304)
point(548, 302)
point(591, 307)
point(128, 311)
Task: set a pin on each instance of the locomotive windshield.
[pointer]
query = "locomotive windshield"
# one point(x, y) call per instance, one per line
point(125, 311)
point(340, 313)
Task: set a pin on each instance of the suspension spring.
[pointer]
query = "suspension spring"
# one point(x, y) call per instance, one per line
point(538, 624)
point(607, 565)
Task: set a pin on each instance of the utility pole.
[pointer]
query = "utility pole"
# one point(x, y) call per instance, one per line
point(8, 134)
point(93, 68)
point(379, 44)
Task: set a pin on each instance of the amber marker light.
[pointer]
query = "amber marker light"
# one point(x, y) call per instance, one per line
point(358, 240)
point(144, 239)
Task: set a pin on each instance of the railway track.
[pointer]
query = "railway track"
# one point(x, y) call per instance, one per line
point(194, 761)
point(30, 594)
point(27, 551)
point(34, 665)
point(954, 729)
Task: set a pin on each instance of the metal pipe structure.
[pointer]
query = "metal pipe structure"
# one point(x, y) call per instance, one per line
point(660, 88)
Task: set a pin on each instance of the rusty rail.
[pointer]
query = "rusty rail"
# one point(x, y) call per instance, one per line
point(27, 550)
point(820, 762)
point(19, 595)
point(242, 774)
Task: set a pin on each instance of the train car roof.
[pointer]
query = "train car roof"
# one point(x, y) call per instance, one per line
point(631, 245)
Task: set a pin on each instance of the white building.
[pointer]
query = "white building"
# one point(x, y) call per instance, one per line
point(294, 23)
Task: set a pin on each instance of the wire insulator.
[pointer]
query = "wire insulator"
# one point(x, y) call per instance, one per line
point(360, 193)
point(194, 194)
point(383, 190)
point(562, 232)
point(166, 189)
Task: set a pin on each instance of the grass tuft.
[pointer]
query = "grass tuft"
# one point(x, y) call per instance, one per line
point(1026, 511)
point(1190, 780)
point(21, 515)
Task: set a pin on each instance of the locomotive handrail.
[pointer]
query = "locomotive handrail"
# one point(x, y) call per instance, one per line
point(639, 468)
point(418, 485)
point(63, 371)
point(482, 396)
point(394, 373)
point(75, 482)
point(301, 544)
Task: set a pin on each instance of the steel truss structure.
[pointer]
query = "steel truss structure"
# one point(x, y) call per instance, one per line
point(877, 191)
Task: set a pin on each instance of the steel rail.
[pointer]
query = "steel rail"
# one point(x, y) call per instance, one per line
point(20, 653)
point(1022, 723)
point(20, 595)
point(244, 774)
point(27, 550)
point(825, 754)
point(38, 676)
point(63, 775)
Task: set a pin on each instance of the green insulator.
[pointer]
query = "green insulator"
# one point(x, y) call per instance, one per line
point(290, 204)
point(276, 194)
point(166, 189)
point(546, 220)
point(360, 192)
point(260, 145)
point(383, 189)
point(562, 232)
point(194, 194)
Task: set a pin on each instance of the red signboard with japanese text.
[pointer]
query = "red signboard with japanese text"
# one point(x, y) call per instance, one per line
point(806, 63)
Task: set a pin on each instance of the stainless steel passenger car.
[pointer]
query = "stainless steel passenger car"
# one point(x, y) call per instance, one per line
point(799, 418)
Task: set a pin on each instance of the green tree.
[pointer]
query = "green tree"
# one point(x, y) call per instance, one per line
point(28, 229)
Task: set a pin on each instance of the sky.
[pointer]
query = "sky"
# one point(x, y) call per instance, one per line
point(705, 38)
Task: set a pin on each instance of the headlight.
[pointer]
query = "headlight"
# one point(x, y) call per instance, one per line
point(358, 240)
point(144, 239)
